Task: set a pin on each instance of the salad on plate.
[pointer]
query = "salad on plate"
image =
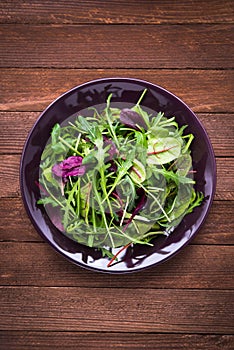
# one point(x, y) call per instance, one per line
point(114, 177)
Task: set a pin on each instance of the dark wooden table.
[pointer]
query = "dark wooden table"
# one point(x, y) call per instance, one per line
point(48, 47)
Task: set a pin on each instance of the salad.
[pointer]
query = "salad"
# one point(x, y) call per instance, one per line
point(118, 176)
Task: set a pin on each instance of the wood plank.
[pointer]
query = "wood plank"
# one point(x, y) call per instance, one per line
point(9, 177)
point(15, 126)
point(19, 227)
point(145, 47)
point(218, 228)
point(220, 128)
point(34, 89)
point(195, 267)
point(116, 309)
point(116, 11)
point(225, 188)
point(24, 340)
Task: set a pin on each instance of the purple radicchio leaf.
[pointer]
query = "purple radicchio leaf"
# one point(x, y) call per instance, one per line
point(55, 218)
point(140, 205)
point(112, 150)
point(119, 212)
point(113, 167)
point(132, 119)
point(72, 166)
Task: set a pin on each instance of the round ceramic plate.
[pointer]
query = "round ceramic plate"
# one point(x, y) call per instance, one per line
point(123, 90)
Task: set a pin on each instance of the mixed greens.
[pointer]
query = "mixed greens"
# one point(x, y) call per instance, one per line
point(118, 176)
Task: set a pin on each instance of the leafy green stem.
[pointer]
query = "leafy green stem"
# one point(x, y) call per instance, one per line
point(141, 97)
point(51, 195)
point(69, 146)
point(102, 211)
point(157, 201)
point(103, 186)
point(109, 121)
point(68, 206)
point(123, 171)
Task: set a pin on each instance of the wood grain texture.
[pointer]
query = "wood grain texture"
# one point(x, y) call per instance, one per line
point(35, 89)
point(145, 47)
point(118, 310)
point(218, 228)
point(225, 182)
point(47, 48)
point(9, 177)
point(15, 126)
point(116, 11)
point(19, 227)
point(220, 129)
point(28, 340)
point(197, 266)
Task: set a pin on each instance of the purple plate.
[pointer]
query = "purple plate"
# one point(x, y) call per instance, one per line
point(128, 91)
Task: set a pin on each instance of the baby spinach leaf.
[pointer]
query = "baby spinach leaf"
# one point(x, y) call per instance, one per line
point(183, 164)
